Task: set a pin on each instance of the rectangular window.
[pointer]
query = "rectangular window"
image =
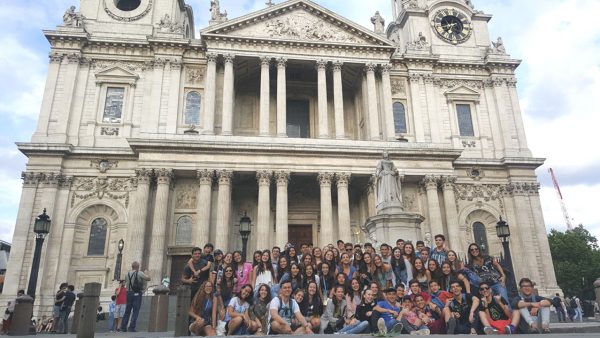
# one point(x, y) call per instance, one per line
point(465, 121)
point(298, 118)
point(113, 106)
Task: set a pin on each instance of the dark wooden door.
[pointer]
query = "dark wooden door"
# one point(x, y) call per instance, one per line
point(177, 265)
point(300, 234)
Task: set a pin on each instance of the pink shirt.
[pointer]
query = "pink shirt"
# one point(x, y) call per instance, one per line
point(243, 276)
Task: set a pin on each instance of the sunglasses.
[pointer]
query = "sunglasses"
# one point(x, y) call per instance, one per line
point(484, 288)
point(474, 249)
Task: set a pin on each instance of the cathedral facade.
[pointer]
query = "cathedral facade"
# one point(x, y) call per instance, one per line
point(154, 134)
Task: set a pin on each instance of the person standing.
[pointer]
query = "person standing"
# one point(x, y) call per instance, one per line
point(112, 309)
point(135, 281)
point(439, 253)
point(120, 304)
point(58, 300)
point(65, 309)
point(196, 271)
point(558, 306)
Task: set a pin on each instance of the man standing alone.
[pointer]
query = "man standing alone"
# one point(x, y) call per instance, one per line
point(134, 280)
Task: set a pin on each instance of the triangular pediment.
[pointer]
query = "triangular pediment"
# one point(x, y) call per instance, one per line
point(462, 90)
point(462, 93)
point(117, 72)
point(295, 21)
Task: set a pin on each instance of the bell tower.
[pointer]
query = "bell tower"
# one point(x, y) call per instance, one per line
point(137, 18)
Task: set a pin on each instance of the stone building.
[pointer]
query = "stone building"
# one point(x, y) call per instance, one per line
point(151, 133)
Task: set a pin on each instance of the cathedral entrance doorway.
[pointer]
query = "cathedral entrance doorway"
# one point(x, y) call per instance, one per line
point(300, 234)
point(177, 265)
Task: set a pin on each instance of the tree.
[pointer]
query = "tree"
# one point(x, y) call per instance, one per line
point(576, 259)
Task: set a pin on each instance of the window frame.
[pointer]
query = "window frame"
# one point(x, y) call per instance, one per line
point(175, 243)
point(106, 238)
point(471, 110)
point(184, 106)
point(406, 124)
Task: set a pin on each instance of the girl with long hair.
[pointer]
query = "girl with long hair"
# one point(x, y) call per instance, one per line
point(367, 269)
point(357, 262)
point(487, 269)
point(398, 265)
point(203, 311)
point(295, 276)
point(326, 280)
point(256, 258)
point(308, 275)
point(329, 257)
point(340, 280)
point(346, 267)
point(263, 272)
point(312, 305)
point(449, 276)
point(259, 311)
point(377, 292)
point(292, 255)
point(334, 314)
point(435, 272)
point(363, 315)
point(306, 261)
point(226, 285)
point(409, 252)
point(383, 274)
point(353, 297)
point(455, 262)
point(237, 317)
point(421, 273)
point(283, 269)
point(317, 256)
point(242, 270)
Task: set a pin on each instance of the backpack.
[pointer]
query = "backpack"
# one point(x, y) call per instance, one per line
point(573, 303)
point(136, 285)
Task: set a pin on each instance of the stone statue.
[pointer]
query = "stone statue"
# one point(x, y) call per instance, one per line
point(420, 43)
point(387, 184)
point(72, 18)
point(215, 11)
point(167, 25)
point(498, 46)
point(379, 22)
point(470, 4)
point(269, 3)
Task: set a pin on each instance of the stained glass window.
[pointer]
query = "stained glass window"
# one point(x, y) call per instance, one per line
point(97, 237)
point(192, 108)
point(465, 121)
point(399, 118)
point(113, 106)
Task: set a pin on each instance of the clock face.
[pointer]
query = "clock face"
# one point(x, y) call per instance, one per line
point(452, 26)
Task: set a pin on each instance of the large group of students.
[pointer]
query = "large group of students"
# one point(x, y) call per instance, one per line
point(353, 288)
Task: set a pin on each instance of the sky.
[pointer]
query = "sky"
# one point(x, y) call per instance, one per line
point(559, 87)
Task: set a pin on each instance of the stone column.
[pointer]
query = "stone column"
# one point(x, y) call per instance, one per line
point(150, 120)
point(345, 232)
point(372, 94)
point(326, 208)
point(415, 98)
point(21, 235)
point(543, 245)
point(138, 211)
point(65, 107)
point(322, 99)
point(338, 100)
point(265, 96)
point(174, 92)
point(433, 204)
point(281, 210)
point(210, 92)
point(281, 98)
point(223, 209)
point(159, 224)
point(448, 183)
point(47, 99)
point(264, 209)
point(228, 95)
point(201, 231)
point(388, 104)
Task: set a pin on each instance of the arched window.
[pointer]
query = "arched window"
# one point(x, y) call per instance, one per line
point(192, 108)
point(399, 118)
point(183, 231)
point(97, 237)
point(480, 236)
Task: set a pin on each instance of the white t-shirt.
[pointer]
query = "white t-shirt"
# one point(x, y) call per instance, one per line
point(238, 307)
point(284, 310)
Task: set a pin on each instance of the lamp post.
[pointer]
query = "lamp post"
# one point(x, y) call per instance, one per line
point(245, 223)
point(503, 232)
point(41, 227)
point(117, 275)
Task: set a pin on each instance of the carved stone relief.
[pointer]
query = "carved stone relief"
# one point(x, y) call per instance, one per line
point(100, 187)
point(398, 86)
point(185, 197)
point(194, 75)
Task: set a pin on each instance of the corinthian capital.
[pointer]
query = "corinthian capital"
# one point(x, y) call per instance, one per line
point(205, 176)
point(212, 57)
point(224, 176)
point(264, 177)
point(282, 178)
point(325, 178)
point(430, 181)
point(30, 179)
point(448, 182)
point(163, 176)
point(143, 175)
point(342, 179)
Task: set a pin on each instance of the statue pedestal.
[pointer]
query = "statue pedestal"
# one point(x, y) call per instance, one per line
point(388, 227)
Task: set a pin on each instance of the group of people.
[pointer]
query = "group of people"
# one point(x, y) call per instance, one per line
point(353, 288)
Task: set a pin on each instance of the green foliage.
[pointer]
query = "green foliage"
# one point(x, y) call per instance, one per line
point(576, 259)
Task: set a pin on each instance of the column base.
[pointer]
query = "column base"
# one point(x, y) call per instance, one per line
point(208, 132)
point(227, 134)
point(324, 136)
point(264, 135)
point(339, 137)
point(282, 135)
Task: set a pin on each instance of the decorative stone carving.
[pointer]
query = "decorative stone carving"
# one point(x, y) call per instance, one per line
point(281, 62)
point(408, 201)
point(103, 165)
point(65, 182)
point(386, 68)
point(342, 179)
point(453, 83)
point(72, 18)
point(497, 47)
point(118, 17)
point(269, 3)
point(194, 75)
point(167, 25)
point(185, 198)
point(49, 178)
point(216, 15)
point(448, 182)
point(224, 176)
point(325, 179)
point(264, 177)
point(55, 57)
point(481, 192)
point(99, 187)
point(299, 25)
point(470, 4)
point(418, 44)
point(163, 176)
point(30, 179)
point(265, 61)
point(282, 177)
point(228, 58)
point(411, 4)
point(337, 66)
point(370, 67)
point(159, 63)
point(108, 131)
point(378, 23)
point(398, 87)
point(476, 173)
point(105, 64)
point(205, 176)
point(143, 175)
point(430, 182)
point(522, 188)
point(321, 64)
point(469, 143)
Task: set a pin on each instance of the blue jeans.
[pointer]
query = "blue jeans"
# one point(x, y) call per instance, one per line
point(498, 289)
point(111, 321)
point(64, 319)
point(132, 309)
point(356, 328)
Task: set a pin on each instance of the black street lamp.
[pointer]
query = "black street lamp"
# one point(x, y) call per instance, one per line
point(503, 232)
point(117, 275)
point(41, 227)
point(245, 223)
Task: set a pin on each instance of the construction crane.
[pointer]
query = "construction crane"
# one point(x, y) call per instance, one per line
point(563, 206)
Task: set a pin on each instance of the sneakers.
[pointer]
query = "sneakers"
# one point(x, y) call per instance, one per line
point(381, 327)
point(490, 330)
point(510, 329)
point(397, 328)
point(421, 332)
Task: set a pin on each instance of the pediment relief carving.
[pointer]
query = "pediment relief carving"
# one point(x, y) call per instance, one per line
point(116, 71)
point(462, 93)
